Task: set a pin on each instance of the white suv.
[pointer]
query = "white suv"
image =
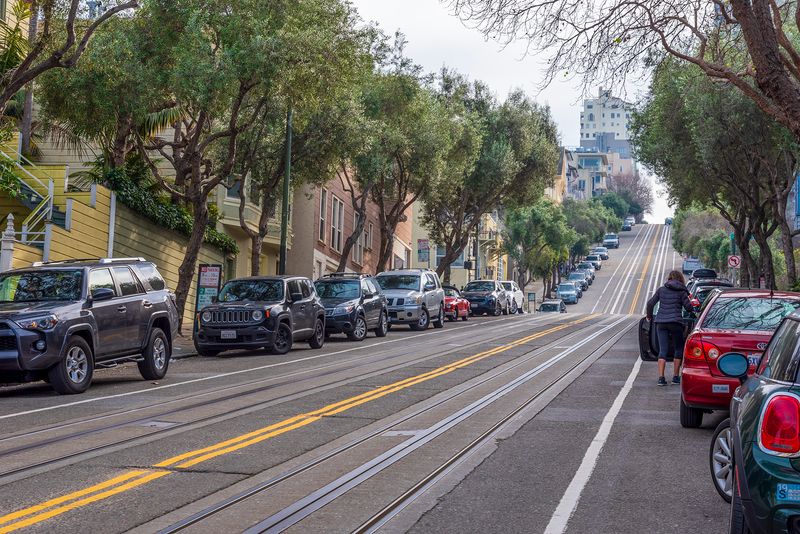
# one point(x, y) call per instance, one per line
point(414, 296)
point(516, 297)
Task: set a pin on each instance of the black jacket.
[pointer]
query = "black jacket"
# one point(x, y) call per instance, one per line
point(673, 296)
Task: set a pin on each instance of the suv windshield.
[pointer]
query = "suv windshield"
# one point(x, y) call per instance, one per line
point(592, 257)
point(566, 287)
point(251, 290)
point(450, 292)
point(549, 307)
point(576, 276)
point(479, 286)
point(43, 285)
point(748, 313)
point(585, 265)
point(338, 289)
point(610, 236)
point(399, 281)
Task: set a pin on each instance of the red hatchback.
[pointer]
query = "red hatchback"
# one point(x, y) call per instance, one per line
point(455, 306)
point(738, 320)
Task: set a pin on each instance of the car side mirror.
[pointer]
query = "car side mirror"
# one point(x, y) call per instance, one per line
point(734, 365)
point(296, 297)
point(368, 294)
point(430, 287)
point(101, 294)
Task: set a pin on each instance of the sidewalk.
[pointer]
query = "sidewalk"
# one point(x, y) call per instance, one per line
point(183, 347)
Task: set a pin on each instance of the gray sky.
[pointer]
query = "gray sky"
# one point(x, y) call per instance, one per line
point(436, 38)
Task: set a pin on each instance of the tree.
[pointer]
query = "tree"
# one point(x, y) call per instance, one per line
point(711, 145)
point(537, 238)
point(591, 220)
point(616, 203)
point(62, 38)
point(749, 44)
point(636, 190)
point(504, 155)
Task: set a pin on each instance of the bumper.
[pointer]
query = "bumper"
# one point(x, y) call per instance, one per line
point(701, 390)
point(18, 354)
point(247, 337)
point(339, 324)
point(404, 314)
point(765, 513)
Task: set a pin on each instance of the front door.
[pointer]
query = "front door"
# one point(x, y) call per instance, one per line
point(302, 310)
point(109, 315)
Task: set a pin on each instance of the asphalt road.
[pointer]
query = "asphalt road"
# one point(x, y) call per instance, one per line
point(531, 423)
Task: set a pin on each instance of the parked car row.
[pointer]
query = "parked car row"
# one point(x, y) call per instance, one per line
point(742, 355)
point(571, 288)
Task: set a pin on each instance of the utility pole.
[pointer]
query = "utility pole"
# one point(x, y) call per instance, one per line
point(477, 251)
point(287, 176)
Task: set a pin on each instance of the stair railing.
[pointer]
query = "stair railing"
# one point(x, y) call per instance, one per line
point(34, 223)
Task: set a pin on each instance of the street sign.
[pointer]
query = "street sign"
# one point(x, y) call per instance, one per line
point(423, 251)
point(209, 279)
point(734, 261)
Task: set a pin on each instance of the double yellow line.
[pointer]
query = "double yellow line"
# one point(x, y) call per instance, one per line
point(656, 236)
point(139, 477)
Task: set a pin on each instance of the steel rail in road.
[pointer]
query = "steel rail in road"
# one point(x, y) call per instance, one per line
point(16, 474)
point(303, 508)
point(305, 467)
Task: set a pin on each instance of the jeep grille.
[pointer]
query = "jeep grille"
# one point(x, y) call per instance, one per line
point(231, 317)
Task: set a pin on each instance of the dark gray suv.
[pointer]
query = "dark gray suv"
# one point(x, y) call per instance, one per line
point(262, 312)
point(61, 320)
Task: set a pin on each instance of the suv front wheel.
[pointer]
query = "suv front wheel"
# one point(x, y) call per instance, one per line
point(422, 322)
point(156, 356)
point(359, 331)
point(73, 374)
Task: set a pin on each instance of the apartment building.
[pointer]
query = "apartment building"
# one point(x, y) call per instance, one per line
point(605, 120)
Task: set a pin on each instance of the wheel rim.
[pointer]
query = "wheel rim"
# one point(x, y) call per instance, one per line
point(721, 462)
point(361, 328)
point(384, 323)
point(320, 332)
point(423, 318)
point(159, 353)
point(77, 365)
point(280, 340)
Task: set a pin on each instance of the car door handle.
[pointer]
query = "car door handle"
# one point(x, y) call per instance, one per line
point(122, 309)
point(303, 307)
point(147, 304)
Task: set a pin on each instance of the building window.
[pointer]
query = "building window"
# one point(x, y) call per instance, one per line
point(358, 248)
point(368, 237)
point(323, 213)
point(337, 223)
point(797, 199)
point(591, 117)
point(3, 10)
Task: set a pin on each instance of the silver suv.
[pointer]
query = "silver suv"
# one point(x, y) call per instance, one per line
point(414, 296)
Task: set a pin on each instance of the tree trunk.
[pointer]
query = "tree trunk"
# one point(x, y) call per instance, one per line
point(26, 128)
point(189, 264)
point(386, 247)
point(788, 251)
point(256, 241)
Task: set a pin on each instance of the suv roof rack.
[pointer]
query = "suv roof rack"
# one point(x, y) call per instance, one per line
point(346, 275)
point(75, 260)
point(112, 260)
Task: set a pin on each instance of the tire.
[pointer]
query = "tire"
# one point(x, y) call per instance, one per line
point(690, 417)
point(317, 340)
point(505, 310)
point(439, 322)
point(283, 339)
point(520, 310)
point(737, 524)
point(720, 460)
point(156, 356)
point(73, 374)
point(383, 326)
point(359, 331)
point(514, 308)
point(423, 322)
point(466, 316)
point(498, 309)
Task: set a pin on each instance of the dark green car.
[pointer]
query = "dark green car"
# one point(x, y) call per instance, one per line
point(763, 434)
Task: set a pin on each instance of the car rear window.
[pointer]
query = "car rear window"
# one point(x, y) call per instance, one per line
point(549, 307)
point(782, 356)
point(576, 276)
point(742, 313)
point(150, 277)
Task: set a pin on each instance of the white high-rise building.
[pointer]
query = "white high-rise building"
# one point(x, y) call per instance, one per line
point(605, 123)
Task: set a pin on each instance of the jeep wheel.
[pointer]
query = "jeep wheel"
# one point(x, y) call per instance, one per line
point(283, 339)
point(318, 339)
point(383, 326)
point(156, 356)
point(422, 322)
point(439, 322)
point(359, 331)
point(73, 374)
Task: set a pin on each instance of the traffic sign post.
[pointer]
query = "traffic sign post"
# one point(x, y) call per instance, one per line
point(734, 261)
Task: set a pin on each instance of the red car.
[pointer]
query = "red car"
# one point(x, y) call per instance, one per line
point(455, 305)
point(735, 320)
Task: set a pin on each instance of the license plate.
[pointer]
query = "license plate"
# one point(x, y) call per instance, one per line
point(788, 492)
point(227, 334)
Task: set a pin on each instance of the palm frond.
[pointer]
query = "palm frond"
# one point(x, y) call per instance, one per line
point(14, 45)
point(158, 121)
point(65, 136)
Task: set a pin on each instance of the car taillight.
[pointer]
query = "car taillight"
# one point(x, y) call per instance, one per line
point(693, 350)
point(780, 426)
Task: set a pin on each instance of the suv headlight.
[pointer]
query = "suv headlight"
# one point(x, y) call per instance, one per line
point(341, 310)
point(258, 315)
point(205, 317)
point(45, 322)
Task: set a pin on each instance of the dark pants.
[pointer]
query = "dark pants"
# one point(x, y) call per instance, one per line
point(669, 335)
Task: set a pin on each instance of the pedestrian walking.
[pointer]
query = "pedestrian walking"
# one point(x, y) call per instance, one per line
point(673, 297)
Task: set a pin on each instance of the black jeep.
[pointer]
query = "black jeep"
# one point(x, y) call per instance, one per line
point(262, 312)
point(354, 304)
point(61, 320)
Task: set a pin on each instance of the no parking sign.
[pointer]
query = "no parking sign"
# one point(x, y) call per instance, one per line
point(734, 261)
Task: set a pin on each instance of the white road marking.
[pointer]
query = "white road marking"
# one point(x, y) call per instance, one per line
point(618, 302)
point(248, 370)
point(611, 279)
point(569, 501)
